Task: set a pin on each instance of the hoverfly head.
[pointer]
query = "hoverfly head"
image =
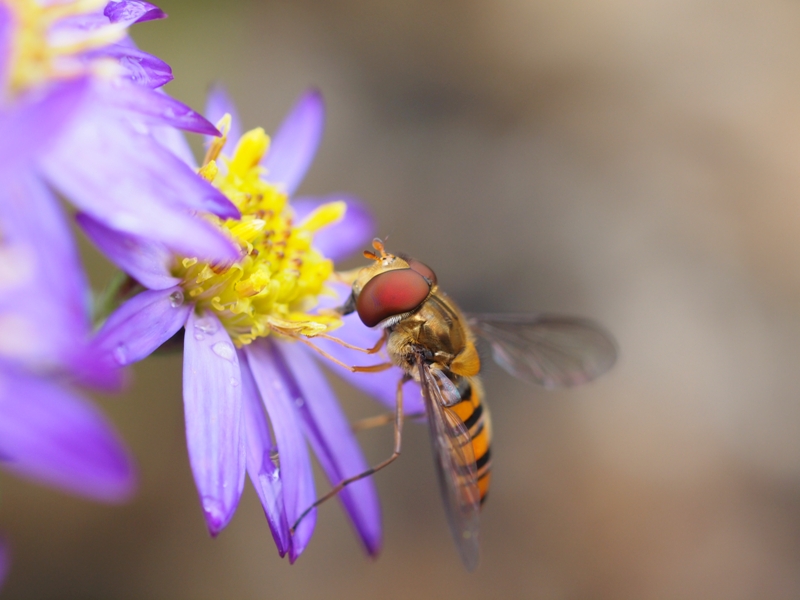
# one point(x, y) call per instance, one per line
point(390, 288)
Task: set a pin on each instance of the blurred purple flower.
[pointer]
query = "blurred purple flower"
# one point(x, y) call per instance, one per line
point(242, 370)
point(79, 108)
point(48, 433)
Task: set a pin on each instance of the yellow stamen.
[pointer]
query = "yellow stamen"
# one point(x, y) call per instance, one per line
point(275, 285)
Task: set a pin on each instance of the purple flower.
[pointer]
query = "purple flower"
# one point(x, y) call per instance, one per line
point(80, 110)
point(48, 432)
point(244, 373)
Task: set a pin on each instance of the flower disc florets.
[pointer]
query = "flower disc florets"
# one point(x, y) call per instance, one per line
point(46, 47)
point(280, 275)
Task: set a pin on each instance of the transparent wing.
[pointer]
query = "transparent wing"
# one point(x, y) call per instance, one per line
point(455, 467)
point(547, 350)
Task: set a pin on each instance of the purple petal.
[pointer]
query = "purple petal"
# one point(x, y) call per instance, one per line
point(6, 32)
point(147, 262)
point(140, 67)
point(212, 397)
point(55, 437)
point(340, 240)
point(129, 12)
point(43, 331)
point(153, 190)
point(5, 561)
point(153, 107)
point(382, 385)
point(218, 104)
point(263, 472)
point(36, 119)
point(295, 465)
point(295, 143)
point(138, 327)
point(334, 444)
point(173, 140)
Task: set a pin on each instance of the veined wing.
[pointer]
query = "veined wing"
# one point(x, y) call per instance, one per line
point(455, 466)
point(548, 350)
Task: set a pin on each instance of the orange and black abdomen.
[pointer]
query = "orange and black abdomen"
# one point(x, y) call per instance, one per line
point(475, 415)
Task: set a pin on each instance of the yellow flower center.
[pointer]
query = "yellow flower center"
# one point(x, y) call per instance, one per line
point(40, 51)
point(280, 276)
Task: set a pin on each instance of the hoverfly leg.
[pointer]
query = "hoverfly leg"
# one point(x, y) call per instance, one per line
point(357, 369)
point(398, 437)
point(380, 420)
point(373, 350)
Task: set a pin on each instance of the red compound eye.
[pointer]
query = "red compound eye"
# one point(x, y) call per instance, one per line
point(391, 293)
point(421, 268)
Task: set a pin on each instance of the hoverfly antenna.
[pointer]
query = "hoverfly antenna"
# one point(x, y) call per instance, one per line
point(372, 255)
point(377, 243)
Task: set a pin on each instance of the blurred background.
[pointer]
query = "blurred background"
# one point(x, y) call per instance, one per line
point(636, 163)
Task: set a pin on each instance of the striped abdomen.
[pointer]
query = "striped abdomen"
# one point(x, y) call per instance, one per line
point(475, 415)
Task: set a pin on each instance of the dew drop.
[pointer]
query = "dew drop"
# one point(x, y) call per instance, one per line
point(224, 350)
point(299, 402)
point(121, 354)
point(176, 299)
point(199, 336)
point(206, 326)
point(234, 382)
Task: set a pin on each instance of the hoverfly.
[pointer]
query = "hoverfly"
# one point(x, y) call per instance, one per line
point(433, 342)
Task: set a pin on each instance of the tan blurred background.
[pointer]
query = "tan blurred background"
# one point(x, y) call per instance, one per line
point(634, 162)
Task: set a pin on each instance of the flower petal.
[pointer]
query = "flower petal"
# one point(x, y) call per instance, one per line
point(44, 332)
point(147, 262)
point(340, 240)
point(140, 67)
point(153, 107)
point(295, 465)
point(37, 119)
point(129, 12)
point(218, 104)
point(212, 396)
point(154, 191)
point(173, 140)
point(263, 472)
point(6, 40)
point(138, 327)
point(55, 437)
point(295, 143)
point(334, 444)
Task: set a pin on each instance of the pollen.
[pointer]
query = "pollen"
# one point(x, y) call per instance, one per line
point(275, 286)
point(44, 47)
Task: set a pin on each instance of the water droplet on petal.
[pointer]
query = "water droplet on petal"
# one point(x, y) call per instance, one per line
point(121, 354)
point(224, 350)
point(176, 299)
point(299, 402)
point(234, 382)
point(208, 326)
point(199, 336)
